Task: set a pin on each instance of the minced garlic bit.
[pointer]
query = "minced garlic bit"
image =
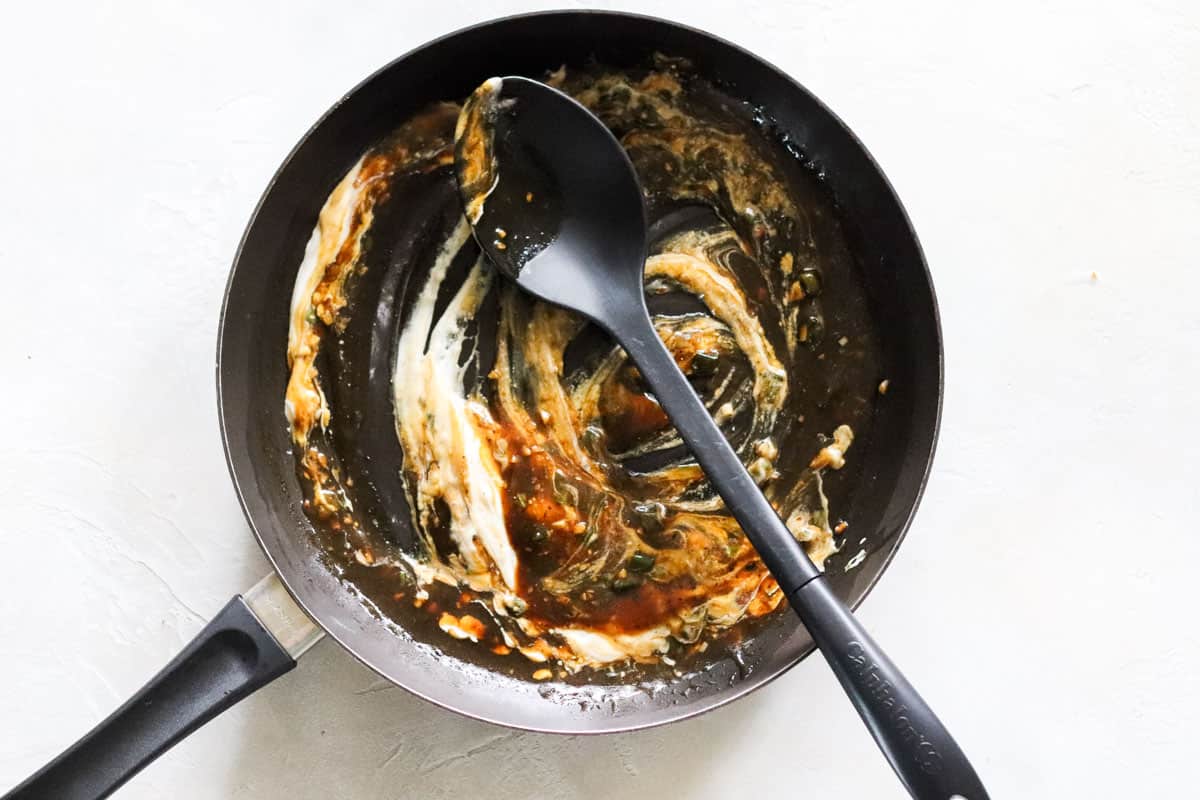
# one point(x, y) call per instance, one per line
point(533, 654)
point(883, 386)
point(795, 292)
point(767, 449)
point(834, 454)
point(464, 627)
point(785, 263)
point(542, 674)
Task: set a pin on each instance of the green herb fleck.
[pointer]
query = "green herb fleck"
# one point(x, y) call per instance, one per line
point(704, 363)
point(816, 330)
point(810, 281)
point(641, 562)
point(732, 545)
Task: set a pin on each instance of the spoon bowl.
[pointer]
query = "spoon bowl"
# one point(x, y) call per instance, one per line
point(553, 199)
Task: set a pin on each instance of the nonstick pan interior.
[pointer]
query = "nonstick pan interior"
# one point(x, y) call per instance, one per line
point(252, 368)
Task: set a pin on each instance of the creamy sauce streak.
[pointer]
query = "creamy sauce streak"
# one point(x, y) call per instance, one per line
point(548, 489)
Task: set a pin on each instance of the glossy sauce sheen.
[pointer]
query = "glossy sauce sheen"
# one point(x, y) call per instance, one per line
point(613, 528)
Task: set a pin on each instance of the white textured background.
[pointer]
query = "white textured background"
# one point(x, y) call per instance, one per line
point(1044, 602)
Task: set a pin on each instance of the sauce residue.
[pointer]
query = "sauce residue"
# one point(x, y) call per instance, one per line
point(549, 492)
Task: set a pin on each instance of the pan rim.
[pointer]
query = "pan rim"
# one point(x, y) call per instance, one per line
point(735, 692)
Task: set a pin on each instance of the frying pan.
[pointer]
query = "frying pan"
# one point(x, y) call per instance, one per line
point(257, 637)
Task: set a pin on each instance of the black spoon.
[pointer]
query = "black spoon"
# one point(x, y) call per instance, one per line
point(556, 205)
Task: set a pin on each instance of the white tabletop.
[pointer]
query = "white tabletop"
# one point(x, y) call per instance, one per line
point(1050, 159)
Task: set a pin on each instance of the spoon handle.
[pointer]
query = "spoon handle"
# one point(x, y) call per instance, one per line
point(920, 749)
point(926, 758)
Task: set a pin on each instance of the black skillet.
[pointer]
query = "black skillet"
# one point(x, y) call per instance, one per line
point(254, 640)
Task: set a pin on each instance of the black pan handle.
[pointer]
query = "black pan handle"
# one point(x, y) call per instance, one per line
point(233, 656)
point(928, 761)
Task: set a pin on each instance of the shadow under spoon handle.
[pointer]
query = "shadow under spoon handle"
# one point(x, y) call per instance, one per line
point(234, 655)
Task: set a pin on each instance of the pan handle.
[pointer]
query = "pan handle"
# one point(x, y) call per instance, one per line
point(252, 641)
point(926, 758)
